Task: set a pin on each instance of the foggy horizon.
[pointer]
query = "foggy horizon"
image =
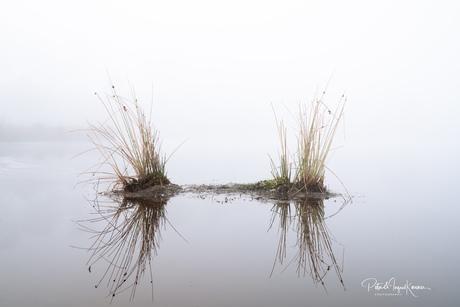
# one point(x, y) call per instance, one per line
point(220, 65)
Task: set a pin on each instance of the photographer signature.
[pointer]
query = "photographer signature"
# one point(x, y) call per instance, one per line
point(390, 285)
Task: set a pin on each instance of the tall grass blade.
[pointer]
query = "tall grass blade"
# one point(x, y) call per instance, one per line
point(128, 144)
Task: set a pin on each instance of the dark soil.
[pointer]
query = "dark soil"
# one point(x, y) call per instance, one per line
point(135, 185)
point(158, 193)
point(263, 190)
point(260, 191)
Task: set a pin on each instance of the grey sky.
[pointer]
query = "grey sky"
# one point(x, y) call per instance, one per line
point(216, 66)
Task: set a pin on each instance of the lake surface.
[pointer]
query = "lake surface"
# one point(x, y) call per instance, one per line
point(394, 244)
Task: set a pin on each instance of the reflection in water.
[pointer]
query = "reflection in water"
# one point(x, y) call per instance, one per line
point(315, 255)
point(131, 232)
point(126, 243)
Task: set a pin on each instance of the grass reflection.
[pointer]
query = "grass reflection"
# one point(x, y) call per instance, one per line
point(130, 238)
point(314, 242)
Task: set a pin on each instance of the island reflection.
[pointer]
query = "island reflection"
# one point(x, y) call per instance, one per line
point(131, 236)
point(314, 243)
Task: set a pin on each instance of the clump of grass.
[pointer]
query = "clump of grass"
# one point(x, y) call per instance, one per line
point(129, 144)
point(317, 127)
point(282, 174)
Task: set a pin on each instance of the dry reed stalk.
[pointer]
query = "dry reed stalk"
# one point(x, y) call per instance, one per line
point(317, 128)
point(282, 174)
point(128, 144)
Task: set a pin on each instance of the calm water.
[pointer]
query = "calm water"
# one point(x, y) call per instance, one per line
point(401, 229)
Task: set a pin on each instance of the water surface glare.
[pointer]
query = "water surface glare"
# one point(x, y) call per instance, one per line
point(220, 250)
